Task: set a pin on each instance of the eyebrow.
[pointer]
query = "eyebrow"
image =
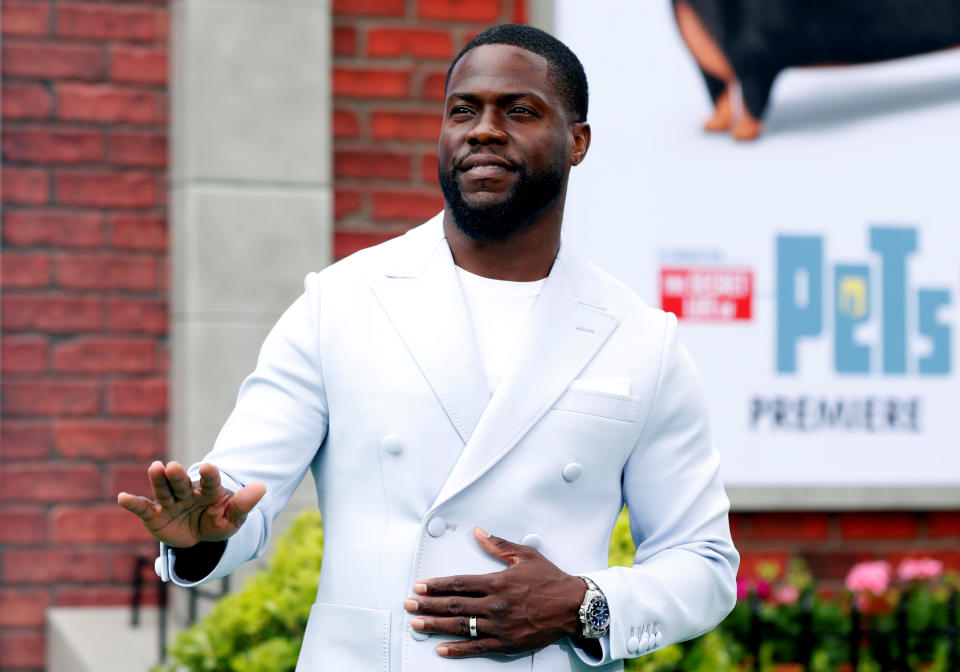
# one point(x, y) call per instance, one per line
point(502, 99)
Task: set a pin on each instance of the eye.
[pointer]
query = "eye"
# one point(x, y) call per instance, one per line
point(460, 110)
point(521, 110)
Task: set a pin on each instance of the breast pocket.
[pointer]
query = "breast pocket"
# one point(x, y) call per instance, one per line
point(625, 408)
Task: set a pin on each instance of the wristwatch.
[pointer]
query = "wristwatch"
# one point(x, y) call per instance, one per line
point(594, 612)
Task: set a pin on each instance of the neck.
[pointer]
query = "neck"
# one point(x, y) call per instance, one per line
point(522, 257)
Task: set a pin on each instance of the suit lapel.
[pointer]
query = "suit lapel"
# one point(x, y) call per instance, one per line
point(566, 328)
point(422, 297)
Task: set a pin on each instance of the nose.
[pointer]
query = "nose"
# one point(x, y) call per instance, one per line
point(487, 130)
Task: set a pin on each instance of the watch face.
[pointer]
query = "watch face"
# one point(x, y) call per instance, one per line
point(598, 613)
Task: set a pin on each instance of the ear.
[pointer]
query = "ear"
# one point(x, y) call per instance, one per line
point(581, 142)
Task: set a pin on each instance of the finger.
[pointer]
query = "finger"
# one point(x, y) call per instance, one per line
point(243, 502)
point(179, 481)
point(507, 551)
point(209, 480)
point(160, 485)
point(460, 584)
point(470, 648)
point(140, 506)
point(446, 606)
point(458, 626)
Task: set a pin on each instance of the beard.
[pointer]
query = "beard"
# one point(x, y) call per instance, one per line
point(519, 208)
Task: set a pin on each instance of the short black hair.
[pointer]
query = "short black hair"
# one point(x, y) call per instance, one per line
point(566, 71)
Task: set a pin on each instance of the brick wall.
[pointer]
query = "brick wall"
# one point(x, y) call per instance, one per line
point(390, 60)
point(831, 542)
point(84, 276)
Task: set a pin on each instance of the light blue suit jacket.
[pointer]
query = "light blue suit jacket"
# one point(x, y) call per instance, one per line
point(372, 379)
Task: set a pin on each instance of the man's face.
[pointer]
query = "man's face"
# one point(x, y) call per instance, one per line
point(505, 143)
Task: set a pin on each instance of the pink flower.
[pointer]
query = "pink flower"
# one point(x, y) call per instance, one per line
point(786, 595)
point(743, 589)
point(918, 569)
point(763, 589)
point(873, 577)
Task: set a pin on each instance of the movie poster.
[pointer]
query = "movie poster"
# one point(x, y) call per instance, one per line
point(810, 244)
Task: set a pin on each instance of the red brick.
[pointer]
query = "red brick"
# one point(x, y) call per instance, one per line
point(123, 564)
point(370, 83)
point(428, 168)
point(50, 397)
point(487, 11)
point(130, 478)
point(787, 526)
point(146, 397)
point(24, 439)
point(103, 439)
point(739, 526)
point(25, 270)
point(405, 206)
point(753, 563)
point(434, 86)
point(944, 524)
point(26, 18)
point(99, 596)
point(26, 101)
point(346, 124)
point(47, 565)
point(138, 149)
point(370, 7)
point(23, 524)
point(346, 202)
point(104, 189)
point(94, 354)
point(394, 42)
point(30, 186)
point(23, 649)
point(26, 228)
point(373, 164)
point(405, 126)
point(103, 270)
point(138, 315)
point(346, 243)
point(105, 21)
point(23, 354)
point(883, 525)
point(833, 564)
point(139, 232)
point(50, 482)
point(108, 103)
point(51, 312)
point(949, 557)
point(53, 145)
point(344, 40)
point(54, 60)
point(520, 14)
point(96, 524)
point(145, 65)
point(20, 608)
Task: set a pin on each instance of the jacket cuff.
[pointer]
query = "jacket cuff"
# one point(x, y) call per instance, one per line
point(623, 640)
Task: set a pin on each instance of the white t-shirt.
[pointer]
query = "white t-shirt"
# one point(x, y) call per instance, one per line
point(498, 309)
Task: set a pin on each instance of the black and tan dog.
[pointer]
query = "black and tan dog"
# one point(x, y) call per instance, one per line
point(751, 41)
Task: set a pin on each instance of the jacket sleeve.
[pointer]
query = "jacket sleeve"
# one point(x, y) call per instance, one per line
point(683, 579)
point(273, 433)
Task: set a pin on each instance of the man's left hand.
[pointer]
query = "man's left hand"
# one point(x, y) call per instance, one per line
point(525, 607)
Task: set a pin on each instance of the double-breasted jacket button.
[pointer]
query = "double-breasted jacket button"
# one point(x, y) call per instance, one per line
point(391, 444)
point(658, 638)
point(572, 472)
point(531, 540)
point(644, 641)
point(633, 644)
point(436, 526)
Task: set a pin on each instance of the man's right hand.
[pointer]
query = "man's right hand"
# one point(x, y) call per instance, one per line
point(186, 513)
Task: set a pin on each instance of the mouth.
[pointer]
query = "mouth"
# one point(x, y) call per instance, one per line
point(484, 166)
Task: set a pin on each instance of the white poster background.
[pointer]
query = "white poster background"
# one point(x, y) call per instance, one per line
point(844, 149)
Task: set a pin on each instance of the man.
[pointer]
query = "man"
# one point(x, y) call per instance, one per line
point(474, 375)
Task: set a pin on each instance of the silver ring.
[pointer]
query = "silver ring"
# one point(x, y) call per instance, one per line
point(473, 626)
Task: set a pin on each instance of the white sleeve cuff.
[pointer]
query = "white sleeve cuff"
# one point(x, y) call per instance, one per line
point(589, 660)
